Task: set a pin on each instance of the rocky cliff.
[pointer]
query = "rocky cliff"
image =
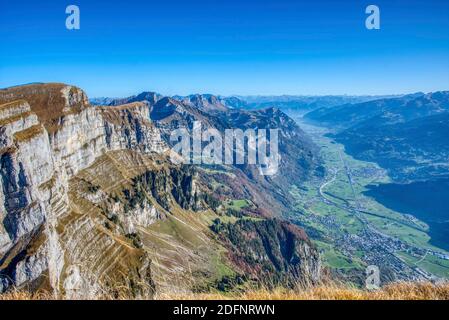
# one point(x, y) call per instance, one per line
point(49, 225)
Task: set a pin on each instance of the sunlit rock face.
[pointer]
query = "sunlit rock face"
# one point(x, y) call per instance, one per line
point(49, 134)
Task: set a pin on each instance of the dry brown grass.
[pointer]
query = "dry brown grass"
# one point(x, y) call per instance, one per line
point(396, 291)
point(29, 133)
point(46, 101)
point(25, 295)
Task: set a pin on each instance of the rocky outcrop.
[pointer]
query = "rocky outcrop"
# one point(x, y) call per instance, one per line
point(46, 140)
point(26, 167)
point(129, 127)
point(149, 97)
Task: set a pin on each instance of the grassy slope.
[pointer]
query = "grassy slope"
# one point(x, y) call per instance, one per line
point(184, 252)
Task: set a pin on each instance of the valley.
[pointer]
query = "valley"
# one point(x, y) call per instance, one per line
point(352, 229)
point(100, 205)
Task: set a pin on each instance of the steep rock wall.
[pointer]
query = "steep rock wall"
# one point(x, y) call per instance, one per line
point(40, 152)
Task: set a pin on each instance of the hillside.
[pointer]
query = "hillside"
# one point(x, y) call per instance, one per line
point(387, 110)
point(415, 149)
point(406, 135)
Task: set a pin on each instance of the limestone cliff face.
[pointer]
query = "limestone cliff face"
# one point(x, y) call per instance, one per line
point(129, 127)
point(26, 165)
point(48, 136)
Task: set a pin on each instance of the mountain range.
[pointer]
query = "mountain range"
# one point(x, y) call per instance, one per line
point(406, 135)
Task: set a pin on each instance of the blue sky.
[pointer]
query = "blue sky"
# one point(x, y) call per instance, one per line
point(227, 47)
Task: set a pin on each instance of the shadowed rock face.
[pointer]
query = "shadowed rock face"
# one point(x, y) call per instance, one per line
point(44, 147)
point(86, 191)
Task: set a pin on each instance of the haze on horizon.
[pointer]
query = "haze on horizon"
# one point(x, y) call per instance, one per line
point(249, 47)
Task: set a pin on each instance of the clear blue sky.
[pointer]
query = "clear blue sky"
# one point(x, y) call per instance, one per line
point(227, 47)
